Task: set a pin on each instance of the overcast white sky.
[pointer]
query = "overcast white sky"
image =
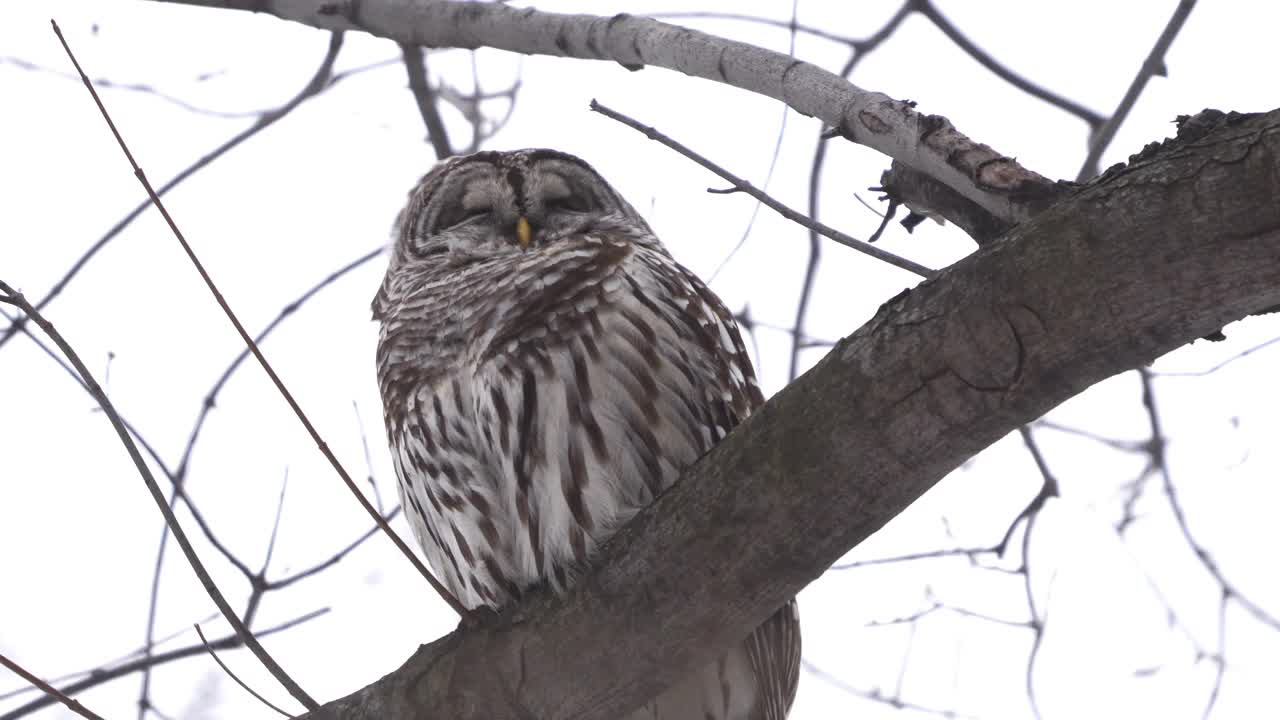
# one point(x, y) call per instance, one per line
point(78, 533)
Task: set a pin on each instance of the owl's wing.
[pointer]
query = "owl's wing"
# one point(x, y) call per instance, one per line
point(713, 354)
point(424, 444)
point(447, 492)
point(773, 648)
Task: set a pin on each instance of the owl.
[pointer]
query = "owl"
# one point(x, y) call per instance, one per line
point(546, 371)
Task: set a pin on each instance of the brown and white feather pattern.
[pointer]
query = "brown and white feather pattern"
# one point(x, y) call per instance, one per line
point(537, 397)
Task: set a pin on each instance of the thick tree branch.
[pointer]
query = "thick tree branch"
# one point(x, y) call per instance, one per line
point(1137, 263)
point(928, 143)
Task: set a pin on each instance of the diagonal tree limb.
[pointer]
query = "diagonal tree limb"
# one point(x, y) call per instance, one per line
point(928, 143)
point(1130, 267)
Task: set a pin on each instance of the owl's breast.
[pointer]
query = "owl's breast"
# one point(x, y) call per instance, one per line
point(592, 395)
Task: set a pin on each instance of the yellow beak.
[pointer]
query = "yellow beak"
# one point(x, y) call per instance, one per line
point(524, 233)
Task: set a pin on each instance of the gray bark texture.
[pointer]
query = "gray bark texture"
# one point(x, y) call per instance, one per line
point(1146, 258)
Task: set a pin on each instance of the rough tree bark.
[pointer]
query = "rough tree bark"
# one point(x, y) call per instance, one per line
point(1144, 259)
point(1139, 262)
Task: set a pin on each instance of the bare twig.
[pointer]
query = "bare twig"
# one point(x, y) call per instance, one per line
point(141, 88)
point(211, 397)
point(773, 160)
point(1152, 66)
point(1048, 489)
point(973, 50)
point(332, 560)
point(926, 8)
point(482, 127)
point(971, 553)
point(16, 298)
point(1219, 366)
point(749, 189)
point(878, 696)
point(1158, 445)
point(368, 458)
point(232, 675)
point(244, 335)
point(1221, 659)
point(275, 526)
point(1039, 620)
point(150, 449)
point(1113, 443)
point(49, 690)
point(424, 95)
point(26, 689)
point(102, 675)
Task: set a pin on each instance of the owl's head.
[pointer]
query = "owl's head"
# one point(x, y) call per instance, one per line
point(492, 204)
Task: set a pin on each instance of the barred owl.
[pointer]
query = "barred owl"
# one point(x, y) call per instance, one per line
point(547, 370)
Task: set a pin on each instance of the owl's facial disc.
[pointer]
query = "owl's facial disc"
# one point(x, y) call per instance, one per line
point(495, 203)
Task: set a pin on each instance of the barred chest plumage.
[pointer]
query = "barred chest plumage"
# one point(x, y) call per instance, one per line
point(503, 442)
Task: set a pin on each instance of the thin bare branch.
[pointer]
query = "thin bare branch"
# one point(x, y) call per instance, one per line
point(1002, 71)
point(926, 8)
point(773, 159)
point(1113, 443)
point(971, 553)
point(141, 88)
point(102, 675)
point(332, 559)
point(1039, 619)
point(1221, 659)
point(368, 457)
point(879, 697)
point(1048, 489)
point(781, 209)
point(232, 675)
point(16, 298)
point(48, 689)
point(1152, 66)
point(1158, 446)
point(1219, 366)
